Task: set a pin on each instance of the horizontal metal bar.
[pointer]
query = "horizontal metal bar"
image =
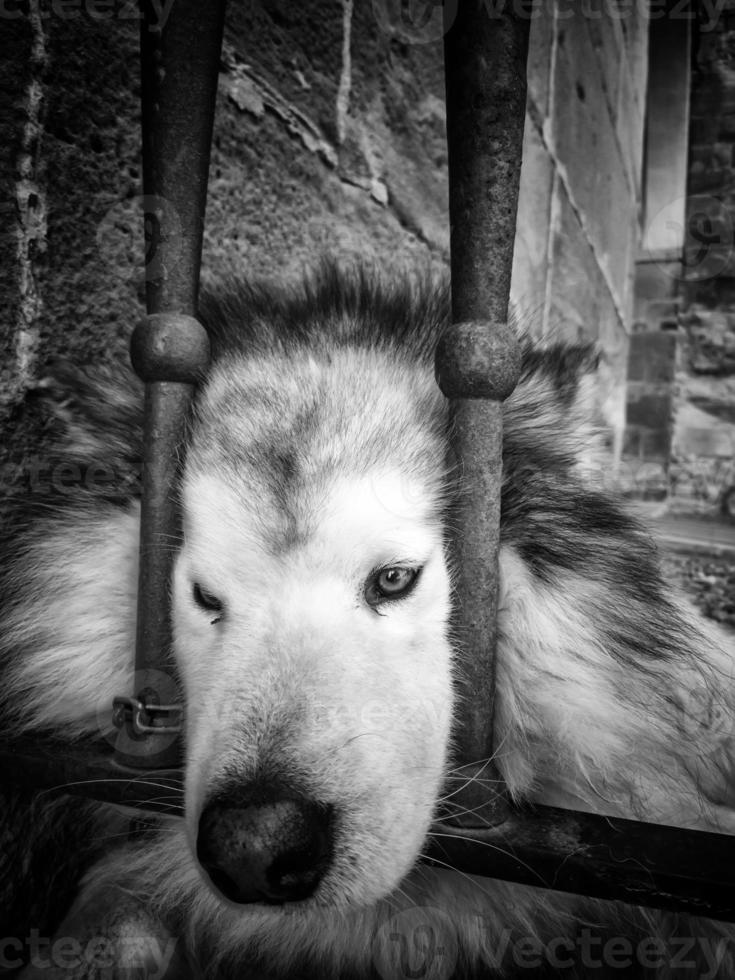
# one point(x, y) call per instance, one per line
point(89, 769)
point(602, 857)
point(582, 853)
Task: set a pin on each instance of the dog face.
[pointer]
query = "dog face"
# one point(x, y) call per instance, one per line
point(311, 598)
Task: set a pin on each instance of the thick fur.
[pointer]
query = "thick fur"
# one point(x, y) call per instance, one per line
point(318, 452)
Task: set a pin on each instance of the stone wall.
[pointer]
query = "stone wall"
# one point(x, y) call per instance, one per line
point(650, 409)
point(658, 270)
point(704, 434)
point(329, 138)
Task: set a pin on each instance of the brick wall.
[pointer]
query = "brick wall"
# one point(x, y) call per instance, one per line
point(650, 408)
point(704, 433)
point(658, 271)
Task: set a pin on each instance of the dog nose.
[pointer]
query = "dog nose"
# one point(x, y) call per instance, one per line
point(267, 850)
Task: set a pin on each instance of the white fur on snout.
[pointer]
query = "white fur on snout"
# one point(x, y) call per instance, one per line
point(305, 684)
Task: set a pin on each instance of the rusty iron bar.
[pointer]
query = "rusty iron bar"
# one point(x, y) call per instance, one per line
point(170, 349)
point(581, 853)
point(478, 360)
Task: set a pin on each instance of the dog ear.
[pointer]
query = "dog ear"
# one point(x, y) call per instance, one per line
point(556, 404)
point(564, 369)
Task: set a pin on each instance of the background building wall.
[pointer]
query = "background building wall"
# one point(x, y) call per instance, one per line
point(316, 151)
point(704, 432)
point(329, 139)
point(658, 268)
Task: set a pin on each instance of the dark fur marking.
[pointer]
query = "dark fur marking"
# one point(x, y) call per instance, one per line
point(555, 522)
point(564, 365)
point(566, 527)
point(330, 309)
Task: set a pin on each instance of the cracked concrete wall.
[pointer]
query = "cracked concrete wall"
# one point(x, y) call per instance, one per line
point(330, 138)
point(30, 201)
point(22, 205)
point(69, 122)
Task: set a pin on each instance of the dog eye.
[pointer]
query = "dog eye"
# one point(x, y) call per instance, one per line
point(205, 600)
point(393, 582)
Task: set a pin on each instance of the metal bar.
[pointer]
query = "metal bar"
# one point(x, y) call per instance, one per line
point(478, 360)
point(180, 62)
point(90, 769)
point(581, 853)
point(604, 857)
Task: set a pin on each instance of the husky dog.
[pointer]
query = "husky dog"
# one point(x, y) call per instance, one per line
point(311, 598)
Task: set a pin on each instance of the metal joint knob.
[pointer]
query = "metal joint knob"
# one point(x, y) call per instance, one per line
point(170, 347)
point(478, 359)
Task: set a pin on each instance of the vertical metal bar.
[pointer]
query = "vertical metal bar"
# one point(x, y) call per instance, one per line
point(478, 359)
point(180, 51)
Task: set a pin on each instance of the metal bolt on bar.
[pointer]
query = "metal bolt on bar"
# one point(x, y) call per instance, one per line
point(170, 349)
point(477, 360)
